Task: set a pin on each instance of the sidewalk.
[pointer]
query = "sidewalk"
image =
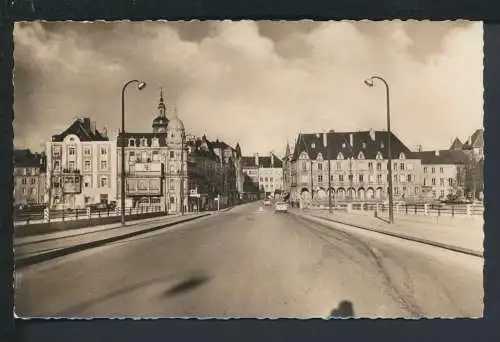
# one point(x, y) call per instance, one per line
point(465, 235)
point(39, 248)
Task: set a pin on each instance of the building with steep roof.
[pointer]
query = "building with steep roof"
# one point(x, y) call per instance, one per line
point(351, 166)
point(156, 164)
point(81, 166)
point(29, 178)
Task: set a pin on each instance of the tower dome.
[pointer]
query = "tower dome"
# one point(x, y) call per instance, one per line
point(175, 124)
point(160, 123)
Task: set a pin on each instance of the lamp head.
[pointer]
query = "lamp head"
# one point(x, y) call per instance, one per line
point(369, 82)
point(141, 85)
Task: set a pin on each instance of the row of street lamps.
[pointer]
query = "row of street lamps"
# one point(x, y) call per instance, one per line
point(369, 82)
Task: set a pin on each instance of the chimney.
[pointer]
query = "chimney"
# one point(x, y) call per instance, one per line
point(436, 153)
point(105, 132)
point(93, 127)
point(372, 134)
point(324, 139)
point(272, 159)
point(419, 148)
point(256, 156)
point(86, 123)
point(351, 139)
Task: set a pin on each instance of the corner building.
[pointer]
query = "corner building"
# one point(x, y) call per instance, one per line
point(155, 165)
point(352, 166)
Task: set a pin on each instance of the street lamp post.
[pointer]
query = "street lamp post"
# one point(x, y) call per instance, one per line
point(369, 82)
point(140, 86)
point(182, 174)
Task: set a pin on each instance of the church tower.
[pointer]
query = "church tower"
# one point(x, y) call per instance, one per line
point(160, 123)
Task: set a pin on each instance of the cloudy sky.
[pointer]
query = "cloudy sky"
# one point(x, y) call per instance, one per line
point(256, 83)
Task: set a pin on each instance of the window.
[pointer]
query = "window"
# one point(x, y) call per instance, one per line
point(417, 190)
point(131, 142)
point(33, 191)
point(341, 178)
point(363, 145)
point(104, 150)
point(404, 189)
point(350, 178)
point(379, 179)
point(331, 178)
point(24, 191)
point(441, 169)
point(172, 200)
point(433, 181)
point(425, 169)
point(402, 178)
point(104, 164)
point(131, 156)
point(87, 165)
point(339, 166)
point(104, 182)
point(343, 145)
point(156, 156)
point(379, 156)
point(262, 179)
point(320, 178)
point(370, 166)
point(172, 154)
point(441, 181)
point(86, 184)
point(379, 166)
point(396, 191)
point(155, 142)
point(266, 179)
point(395, 166)
point(425, 182)
point(304, 166)
point(360, 178)
point(442, 193)
point(33, 181)
point(71, 165)
point(382, 145)
point(23, 181)
point(320, 166)
point(450, 181)
point(57, 165)
point(71, 151)
point(433, 170)
point(402, 166)
point(395, 178)
point(361, 155)
point(144, 142)
point(409, 178)
point(340, 156)
point(86, 151)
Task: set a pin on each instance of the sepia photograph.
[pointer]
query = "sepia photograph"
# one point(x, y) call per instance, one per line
point(248, 169)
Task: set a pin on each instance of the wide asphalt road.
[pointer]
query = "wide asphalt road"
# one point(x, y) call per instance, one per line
point(252, 263)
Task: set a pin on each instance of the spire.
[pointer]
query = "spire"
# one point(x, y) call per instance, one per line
point(238, 150)
point(161, 105)
point(287, 151)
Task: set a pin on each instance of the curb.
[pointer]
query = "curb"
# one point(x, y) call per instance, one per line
point(407, 237)
point(35, 259)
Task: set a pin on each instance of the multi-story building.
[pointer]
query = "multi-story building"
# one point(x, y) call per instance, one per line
point(155, 165)
point(211, 174)
point(29, 178)
point(442, 173)
point(474, 148)
point(232, 173)
point(265, 172)
point(352, 166)
point(81, 166)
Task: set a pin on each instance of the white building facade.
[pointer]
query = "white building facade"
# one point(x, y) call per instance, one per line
point(81, 167)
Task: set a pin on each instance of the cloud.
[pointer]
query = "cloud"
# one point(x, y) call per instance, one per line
point(259, 83)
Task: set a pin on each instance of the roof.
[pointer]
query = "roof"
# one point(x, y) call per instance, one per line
point(197, 150)
point(84, 129)
point(443, 157)
point(368, 142)
point(264, 161)
point(456, 145)
point(476, 140)
point(25, 158)
point(162, 138)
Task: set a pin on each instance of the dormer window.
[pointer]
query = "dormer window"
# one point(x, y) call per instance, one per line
point(340, 156)
point(382, 144)
point(379, 156)
point(313, 145)
point(155, 142)
point(343, 145)
point(144, 142)
point(361, 155)
point(402, 155)
point(131, 142)
point(363, 145)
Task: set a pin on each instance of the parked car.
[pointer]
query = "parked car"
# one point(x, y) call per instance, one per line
point(267, 202)
point(281, 207)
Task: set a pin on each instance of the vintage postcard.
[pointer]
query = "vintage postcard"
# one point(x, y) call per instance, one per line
point(264, 169)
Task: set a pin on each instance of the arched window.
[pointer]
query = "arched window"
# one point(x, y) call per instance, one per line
point(361, 155)
point(379, 156)
point(402, 156)
point(340, 156)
